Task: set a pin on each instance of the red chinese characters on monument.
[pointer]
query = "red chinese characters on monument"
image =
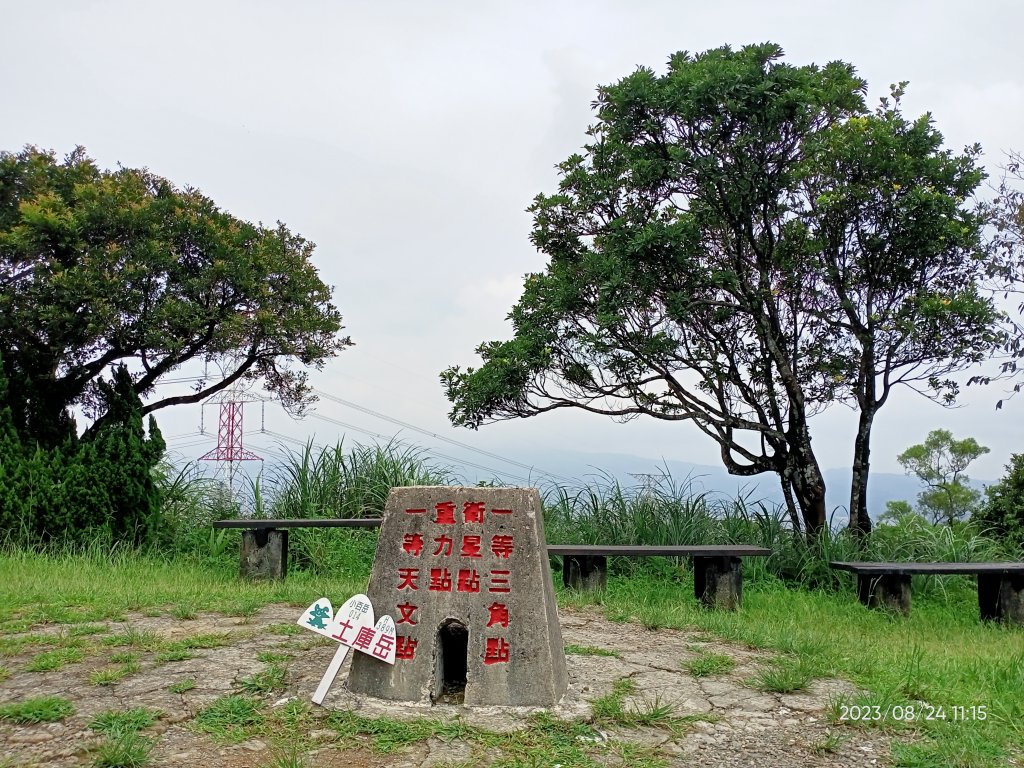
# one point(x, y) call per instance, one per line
point(441, 538)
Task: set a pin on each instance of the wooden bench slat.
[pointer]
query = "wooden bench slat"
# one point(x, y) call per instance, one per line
point(938, 569)
point(670, 550)
point(255, 525)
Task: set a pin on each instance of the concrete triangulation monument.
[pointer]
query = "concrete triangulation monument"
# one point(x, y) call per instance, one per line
point(464, 572)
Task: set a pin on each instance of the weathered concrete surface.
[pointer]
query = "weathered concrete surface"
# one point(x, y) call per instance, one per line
point(1001, 597)
point(264, 554)
point(745, 727)
point(585, 572)
point(465, 571)
point(889, 591)
point(718, 582)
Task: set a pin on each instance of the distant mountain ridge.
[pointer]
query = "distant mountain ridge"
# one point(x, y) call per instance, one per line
point(631, 470)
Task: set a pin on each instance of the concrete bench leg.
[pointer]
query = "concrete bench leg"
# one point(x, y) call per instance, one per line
point(584, 571)
point(889, 591)
point(1001, 597)
point(264, 554)
point(718, 582)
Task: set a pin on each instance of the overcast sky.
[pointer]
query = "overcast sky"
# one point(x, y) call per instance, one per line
point(406, 139)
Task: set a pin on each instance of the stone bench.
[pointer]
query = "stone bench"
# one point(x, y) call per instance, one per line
point(265, 542)
point(717, 569)
point(887, 585)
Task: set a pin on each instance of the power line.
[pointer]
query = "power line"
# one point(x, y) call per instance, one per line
point(432, 452)
point(452, 441)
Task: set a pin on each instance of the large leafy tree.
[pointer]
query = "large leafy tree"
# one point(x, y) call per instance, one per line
point(103, 268)
point(699, 273)
point(901, 262)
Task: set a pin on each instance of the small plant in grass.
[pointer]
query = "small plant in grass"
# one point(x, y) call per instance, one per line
point(15, 626)
point(182, 686)
point(609, 706)
point(124, 750)
point(246, 608)
point(785, 675)
point(230, 717)
point(175, 654)
point(707, 664)
point(109, 675)
point(142, 639)
point(590, 650)
point(829, 744)
point(270, 657)
point(43, 709)
point(115, 721)
point(4, 673)
point(184, 611)
point(265, 681)
point(285, 629)
point(51, 660)
point(81, 630)
point(129, 665)
point(290, 756)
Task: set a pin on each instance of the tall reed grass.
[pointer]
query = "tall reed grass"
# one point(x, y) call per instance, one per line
point(340, 482)
point(667, 511)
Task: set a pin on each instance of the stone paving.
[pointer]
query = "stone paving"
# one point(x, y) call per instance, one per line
point(744, 726)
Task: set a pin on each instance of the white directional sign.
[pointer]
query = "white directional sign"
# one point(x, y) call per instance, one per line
point(352, 626)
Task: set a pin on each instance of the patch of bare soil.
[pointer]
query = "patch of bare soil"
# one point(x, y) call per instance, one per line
point(742, 726)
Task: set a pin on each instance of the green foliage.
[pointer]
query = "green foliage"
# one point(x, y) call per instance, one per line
point(100, 486)
point(940, 463)
point(103, 267)
point(707, 664)
point(741, 244)
point(114, 721)
point(229, 716)
point(125, 749)
point(43, 709)
point(1003, 510)
point(340, 482)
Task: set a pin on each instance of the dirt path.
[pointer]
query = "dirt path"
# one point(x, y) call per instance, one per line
point(728, 722)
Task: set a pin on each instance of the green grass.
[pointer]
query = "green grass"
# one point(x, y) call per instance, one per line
point(182, 686)
point(941, 654)
point(287, 630)
point(785, 674)
point(707, 664)
point(130, 637)
point(111, 675)
point(4, 673)
point(269, 680)
point(44, 709)
point(176, 654)
point(230, 718)
point(83, 630)
point(114, 721)
point(271, 657)
point(123, 750)
point(48, 661)
point(589, 650)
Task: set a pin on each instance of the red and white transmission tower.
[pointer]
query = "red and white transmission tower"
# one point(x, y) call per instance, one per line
point(231, 432)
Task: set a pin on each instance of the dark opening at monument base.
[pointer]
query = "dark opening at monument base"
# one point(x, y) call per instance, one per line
point(451, 663)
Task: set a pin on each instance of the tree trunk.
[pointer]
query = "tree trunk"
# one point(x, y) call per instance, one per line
point(860, 520)
point(787, 492)
point(807, 481)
